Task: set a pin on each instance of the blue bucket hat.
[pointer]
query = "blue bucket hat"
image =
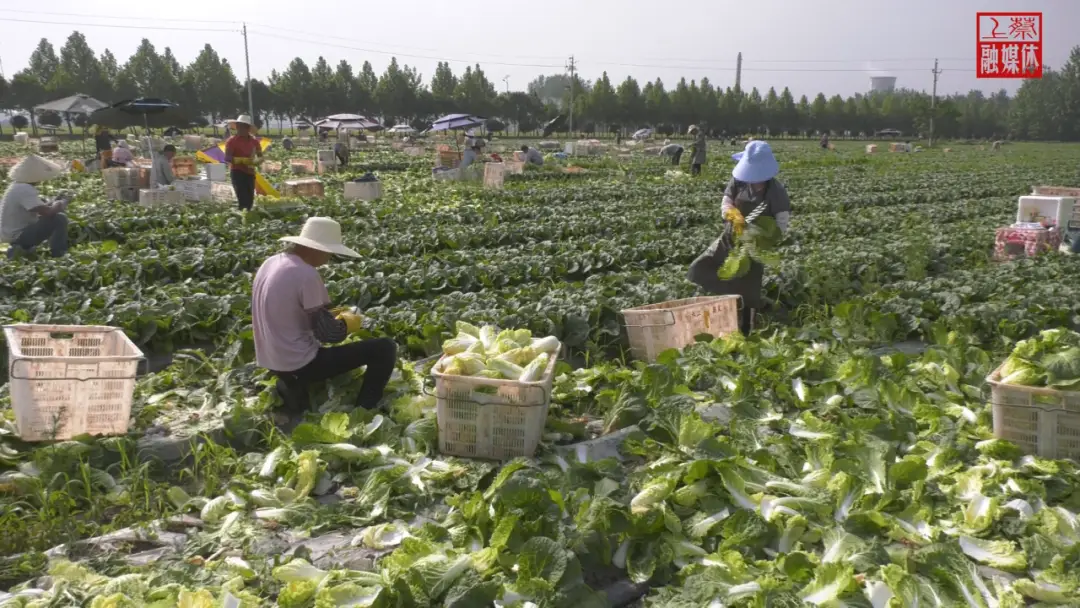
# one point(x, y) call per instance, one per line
point(756, 163)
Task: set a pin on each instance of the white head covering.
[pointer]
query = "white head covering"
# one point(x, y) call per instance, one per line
point(243, 119)
point(33, 170)
point(756, 163)
point(322, 234)
point(121, 144)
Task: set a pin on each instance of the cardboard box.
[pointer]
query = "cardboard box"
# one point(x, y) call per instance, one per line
point(363, 191)
point(303, 187)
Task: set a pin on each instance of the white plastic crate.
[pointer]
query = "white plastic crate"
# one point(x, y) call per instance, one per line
point(655, 328)
point(153, 198)
point(215, 172)
point(488, 418)
point(1042, 421)
point(222, 192)
point(194, 189)
point(70, 380)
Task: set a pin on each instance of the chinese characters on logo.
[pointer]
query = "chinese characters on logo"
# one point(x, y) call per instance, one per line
point(1009, 45)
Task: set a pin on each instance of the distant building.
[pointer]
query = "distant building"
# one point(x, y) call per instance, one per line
point(882, 84)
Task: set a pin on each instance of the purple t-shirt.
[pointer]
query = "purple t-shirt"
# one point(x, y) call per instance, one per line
point(285, 291)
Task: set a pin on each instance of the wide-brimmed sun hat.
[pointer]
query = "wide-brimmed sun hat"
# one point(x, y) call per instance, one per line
point(121, 144)
point(243, 119)
point(33, 170)
point(691, 129)
point(756, 163)
point(322, 234)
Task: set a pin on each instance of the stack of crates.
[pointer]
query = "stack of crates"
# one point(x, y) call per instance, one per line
point(122, 184)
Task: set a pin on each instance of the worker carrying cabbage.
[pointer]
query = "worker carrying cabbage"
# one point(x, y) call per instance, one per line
point(292, 318)
point(756, 211)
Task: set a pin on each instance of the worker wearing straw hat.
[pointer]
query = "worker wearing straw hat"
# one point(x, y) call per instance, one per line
point(291, 318)
point(243, 153)
point(26, 220)
point(752, 192)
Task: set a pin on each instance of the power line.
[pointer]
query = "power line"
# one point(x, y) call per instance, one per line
point(430, 50)
point(323, 35)
point(752, 69)
point(408, 55)
point(117, 25)
point(118, 17)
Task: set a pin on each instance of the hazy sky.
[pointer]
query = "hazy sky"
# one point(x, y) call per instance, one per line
point(831, 46)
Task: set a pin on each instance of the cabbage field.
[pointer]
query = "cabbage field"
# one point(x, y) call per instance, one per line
point(840, 456)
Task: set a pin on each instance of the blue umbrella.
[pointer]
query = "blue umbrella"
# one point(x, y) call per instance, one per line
point(457, 121)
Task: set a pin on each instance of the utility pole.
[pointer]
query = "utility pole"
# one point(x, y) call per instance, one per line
point(738, 73)
point(933, 104)
point(247, 66)
point(506, 81)
point(572, 68)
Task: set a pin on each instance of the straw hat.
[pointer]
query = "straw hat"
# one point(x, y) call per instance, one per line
point(693, 129)
point(756, 163)
point(322, 234)
point(33, 170)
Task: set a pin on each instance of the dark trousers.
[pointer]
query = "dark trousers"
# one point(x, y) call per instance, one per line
point(244, 186)
point(378, 355)
point(676, 157)
point(695, 169)
point(52, 229)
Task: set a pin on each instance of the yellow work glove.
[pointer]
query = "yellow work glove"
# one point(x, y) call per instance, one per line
point(353, 321)
point(738, 222)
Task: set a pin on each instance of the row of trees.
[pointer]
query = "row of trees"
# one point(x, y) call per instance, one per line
point(1046, 109)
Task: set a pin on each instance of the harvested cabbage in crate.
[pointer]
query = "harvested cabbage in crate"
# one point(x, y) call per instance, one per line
point(488, 352)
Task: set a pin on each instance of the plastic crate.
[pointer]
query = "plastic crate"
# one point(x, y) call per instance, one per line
point(1042, 421)
point(655, 328)
point(70, 380)
point(153, 198)
point(492, 419)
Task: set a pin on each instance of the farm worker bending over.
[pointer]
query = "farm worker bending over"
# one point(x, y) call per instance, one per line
point(476, 145)
point(161, 173)
point(673, 151)
point(121, 156)
point(532, 156)
point(291, 318)
point(697, 150)
point(243, 153)
point(341, 151)
point(752, 192)
point(26, 221)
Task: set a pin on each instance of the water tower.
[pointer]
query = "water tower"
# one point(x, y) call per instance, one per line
point(882, 84)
